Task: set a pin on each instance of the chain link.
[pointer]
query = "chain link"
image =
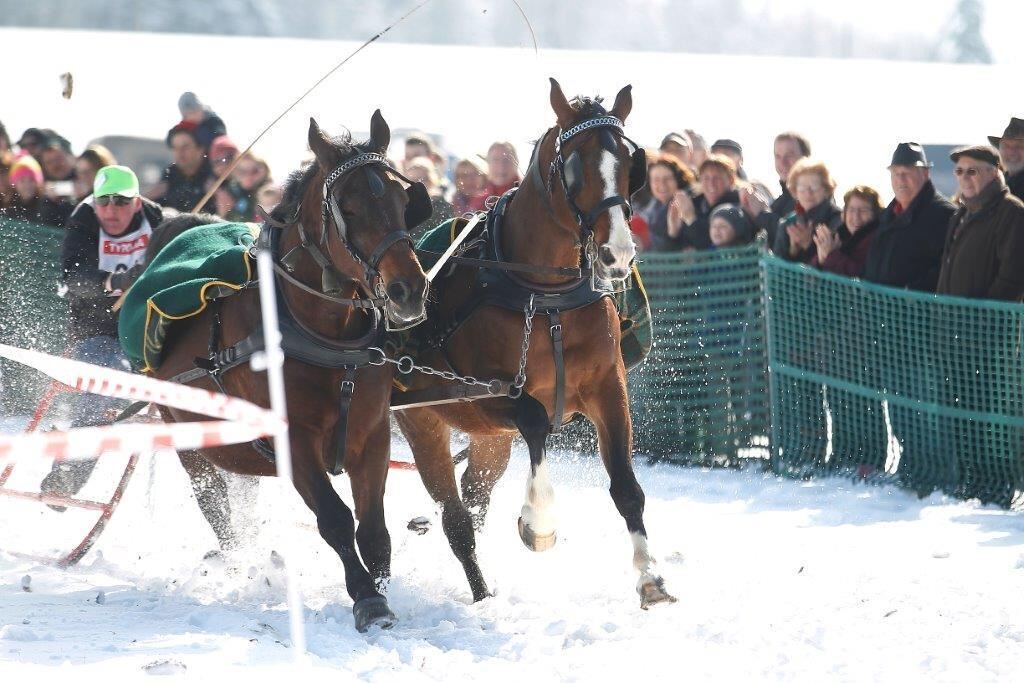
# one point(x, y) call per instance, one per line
point(406, 365)
point(528, 312)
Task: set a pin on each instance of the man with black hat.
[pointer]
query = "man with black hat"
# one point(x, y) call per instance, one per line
point(984, 252)
point(1011, 150)
point(907, 251)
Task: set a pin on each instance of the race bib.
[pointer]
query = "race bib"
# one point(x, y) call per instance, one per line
point(120, 253)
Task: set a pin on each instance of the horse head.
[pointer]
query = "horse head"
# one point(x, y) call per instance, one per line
point(365, 217)
point(600, 169)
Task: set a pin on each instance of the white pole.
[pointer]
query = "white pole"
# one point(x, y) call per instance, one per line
point(274, 359)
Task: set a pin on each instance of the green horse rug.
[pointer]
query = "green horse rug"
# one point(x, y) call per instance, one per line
point(201, 264)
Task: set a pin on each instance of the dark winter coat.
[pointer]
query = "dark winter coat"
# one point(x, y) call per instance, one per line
point(984, 253)
point(852, 254)
point(89, 302)
point(212, 126)
point(656, 215)
point(1016, 184)
point(41, 210)
point(827, 212)
point(183, 192)
point(697, 235)
point(907, 251)
point(783, 205)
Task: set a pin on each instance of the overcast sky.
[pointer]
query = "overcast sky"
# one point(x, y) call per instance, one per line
point(1003, 28)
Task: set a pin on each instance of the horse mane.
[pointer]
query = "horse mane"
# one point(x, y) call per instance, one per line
point(298, 180)
point(588, 107)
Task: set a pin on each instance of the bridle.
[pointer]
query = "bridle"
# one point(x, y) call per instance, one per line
point(331, 288)
point(570, 175)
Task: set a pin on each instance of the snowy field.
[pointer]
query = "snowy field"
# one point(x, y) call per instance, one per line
point(776, 580)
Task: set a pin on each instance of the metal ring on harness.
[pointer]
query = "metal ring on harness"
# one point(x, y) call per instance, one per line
point(406, 365)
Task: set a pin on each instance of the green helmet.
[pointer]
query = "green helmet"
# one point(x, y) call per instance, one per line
point(115, 180)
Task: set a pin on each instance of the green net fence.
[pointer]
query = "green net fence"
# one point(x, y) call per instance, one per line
point(900, 386)
point(702, 395)
point(32, 315)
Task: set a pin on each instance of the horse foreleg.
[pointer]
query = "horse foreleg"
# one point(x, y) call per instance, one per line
point(367, 472)
point(536, 521)
point(609, 412)
point(488, 460)
point(336, 526)
point(211, 493)
point(429, 439)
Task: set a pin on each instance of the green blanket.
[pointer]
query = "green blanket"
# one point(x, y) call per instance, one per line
point(201, 264)
point(632, 303)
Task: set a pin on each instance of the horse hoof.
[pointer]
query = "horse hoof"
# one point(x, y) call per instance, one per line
point(652, 592)
point(373, 611)
point(535, 542)
point(419, 525)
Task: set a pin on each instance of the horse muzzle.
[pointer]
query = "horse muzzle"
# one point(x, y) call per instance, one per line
point(406, 304)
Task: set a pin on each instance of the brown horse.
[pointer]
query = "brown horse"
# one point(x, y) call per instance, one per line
point(569, 215)
point(344, 260)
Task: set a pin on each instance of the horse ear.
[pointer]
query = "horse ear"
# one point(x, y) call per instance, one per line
point(380, 132)
point(322, 147)
point(623, 103)
point(563, 111)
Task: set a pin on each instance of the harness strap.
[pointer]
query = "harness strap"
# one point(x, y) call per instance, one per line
point(556, 344)
point(362, 304)
point(390, 239)
point(348, 387)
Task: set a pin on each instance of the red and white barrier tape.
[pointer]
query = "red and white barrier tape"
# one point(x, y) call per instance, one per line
point(241, 421)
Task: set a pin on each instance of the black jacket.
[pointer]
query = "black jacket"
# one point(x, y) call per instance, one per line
point(907, 251)
point(183, 192)
point(1016, 184)
point(783, 205)
point(827, 212)
point(984, 255)
point(698, 234)
point(81, 275)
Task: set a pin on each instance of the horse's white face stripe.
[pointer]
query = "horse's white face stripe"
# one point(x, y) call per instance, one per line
point(538, 509)
point(620, 240)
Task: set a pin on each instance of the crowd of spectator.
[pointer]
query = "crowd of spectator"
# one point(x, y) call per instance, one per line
point(969, 245)
point(698, 197)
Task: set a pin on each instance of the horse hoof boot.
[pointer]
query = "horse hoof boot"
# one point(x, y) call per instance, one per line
point(535, 542)
point(652, 592)
point(373, 611)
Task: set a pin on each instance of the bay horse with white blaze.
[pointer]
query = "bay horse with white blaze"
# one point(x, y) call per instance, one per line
point(556, 247)
point(344, 262)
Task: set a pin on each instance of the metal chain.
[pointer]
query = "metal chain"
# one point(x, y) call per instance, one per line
point(406, 365)
point(528, 312)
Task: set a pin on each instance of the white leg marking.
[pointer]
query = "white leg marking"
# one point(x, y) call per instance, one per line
point(642, 560)
point(538, 510)
point(620, 239)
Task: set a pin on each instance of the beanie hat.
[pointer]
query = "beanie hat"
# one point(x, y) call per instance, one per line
point(739, 221)
point(189, 102)
point(221, 147)
point(26, 166)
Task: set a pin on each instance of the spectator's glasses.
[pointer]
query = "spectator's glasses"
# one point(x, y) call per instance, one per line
point(115, 199)
point(970, 171)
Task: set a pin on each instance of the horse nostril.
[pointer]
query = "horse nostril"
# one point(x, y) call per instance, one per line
point(607, 256)
point(399, 292)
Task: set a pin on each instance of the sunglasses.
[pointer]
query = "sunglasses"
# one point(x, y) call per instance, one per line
point(115, 199)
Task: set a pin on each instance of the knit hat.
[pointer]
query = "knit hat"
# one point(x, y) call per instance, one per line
point(222, 147)
point(189, 102)
point(26, 166)
point(739, 221)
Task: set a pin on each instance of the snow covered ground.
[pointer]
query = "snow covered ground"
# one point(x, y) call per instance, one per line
point(776, 580)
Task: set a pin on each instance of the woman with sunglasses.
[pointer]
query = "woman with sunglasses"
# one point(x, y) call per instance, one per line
point(104, 249)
